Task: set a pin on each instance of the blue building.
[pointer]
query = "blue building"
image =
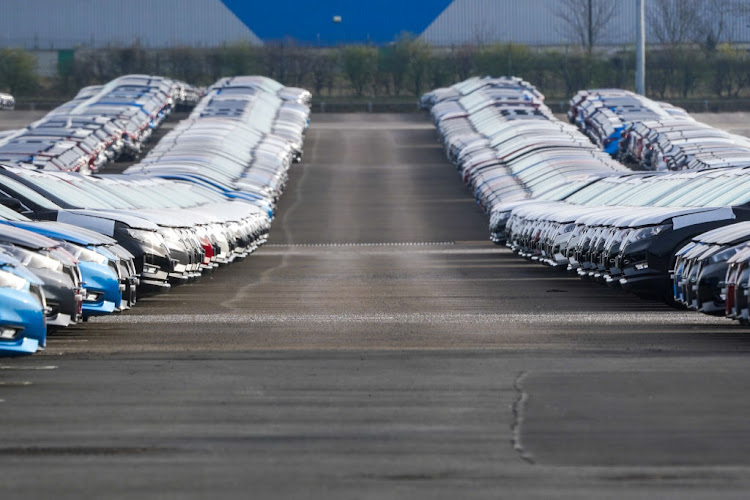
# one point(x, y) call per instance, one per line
point(53, 25)
point(331, 22)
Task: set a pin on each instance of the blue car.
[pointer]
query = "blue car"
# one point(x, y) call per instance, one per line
point(57, 269)
point(102, 293)
point(23, 329)
point(101, 288)
point(81, 242)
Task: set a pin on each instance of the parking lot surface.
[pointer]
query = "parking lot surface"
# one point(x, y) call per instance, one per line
point(379, 346)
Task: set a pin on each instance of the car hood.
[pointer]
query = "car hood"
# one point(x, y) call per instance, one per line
point(573, 213)
point(12, 265)
point(172, 217)
point(683, 217)
point(726, 235)
point(615, 216)
point(103, 221)
point(67, 232)
point(22, 237)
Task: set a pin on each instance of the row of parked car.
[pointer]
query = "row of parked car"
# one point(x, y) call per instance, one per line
point(242, 135)
point(73, 246)
point(681, 236)
point(711, 272)
point(508, 146)
point(101, 124)
point(7, 102)
point(651, 135)
point(626, 230)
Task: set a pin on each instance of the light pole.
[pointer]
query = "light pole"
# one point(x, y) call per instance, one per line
point(640, 47)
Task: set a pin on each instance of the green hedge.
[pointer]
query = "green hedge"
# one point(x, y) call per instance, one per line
point(407, 67)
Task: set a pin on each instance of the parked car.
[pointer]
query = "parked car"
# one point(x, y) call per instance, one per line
point(137, 235)
point(22, 307)
point(7, 102)
point(203, 197)
point(552, 196)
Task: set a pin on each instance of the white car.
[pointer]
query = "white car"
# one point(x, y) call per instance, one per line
point(7, 101)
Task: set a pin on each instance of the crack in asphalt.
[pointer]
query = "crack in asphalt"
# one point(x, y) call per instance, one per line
point(519, 414)
point(264, 276)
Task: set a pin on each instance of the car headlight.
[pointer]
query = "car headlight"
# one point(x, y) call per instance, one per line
point(104, 252)
point(497, 218)
point(577, 230)
point(646, 232)
point(34, 259)
point(723, 255)
point(568, 228)
point(10, 280)
point(150, 237)
point(173, 238)
point(85, 254)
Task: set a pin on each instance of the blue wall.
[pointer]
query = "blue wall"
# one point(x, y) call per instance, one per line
point(311, 21)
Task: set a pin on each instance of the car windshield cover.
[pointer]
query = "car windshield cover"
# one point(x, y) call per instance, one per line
point(28, 193)
point(70, 194)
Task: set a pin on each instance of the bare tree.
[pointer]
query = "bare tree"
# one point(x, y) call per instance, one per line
point(681, 22)
point(585, 21)
point(301, 63)
point(325, 65)
point(482, 33)
point(462, 58)
point(675, 22)
point(714, 15)
point(360, 63)
point(395, 60)
point(419, 55)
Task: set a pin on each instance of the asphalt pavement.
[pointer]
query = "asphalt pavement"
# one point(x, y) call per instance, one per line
point(379, 346)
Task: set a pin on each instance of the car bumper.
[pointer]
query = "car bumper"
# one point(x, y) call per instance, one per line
point(20, 347)
point(99, 308)
point(644, 281)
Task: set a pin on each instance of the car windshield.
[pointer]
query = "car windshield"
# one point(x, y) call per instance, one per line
point(202, 194)
point(705, 193)
point(69, 193)
point(95, 188)
point(613, 191)
point(562, 191)
point(166, 196)
point(654, 192)
point(740, 195)
point(28, 193)
point(136, 196)
point(684, 195)
point(589, 192)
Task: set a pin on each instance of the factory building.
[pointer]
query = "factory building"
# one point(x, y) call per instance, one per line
point(53, 28)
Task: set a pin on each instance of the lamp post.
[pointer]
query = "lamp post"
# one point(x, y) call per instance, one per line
point(640, 47)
